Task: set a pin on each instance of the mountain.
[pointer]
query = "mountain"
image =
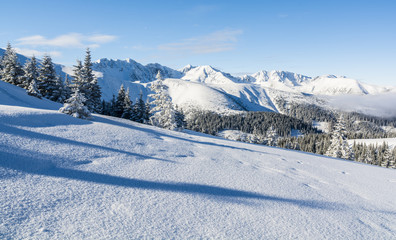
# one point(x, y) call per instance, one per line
point(207, 88)
point(67, 178)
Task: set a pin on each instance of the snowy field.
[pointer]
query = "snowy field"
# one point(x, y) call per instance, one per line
point(108, 178)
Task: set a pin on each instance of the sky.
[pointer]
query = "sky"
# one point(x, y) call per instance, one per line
point(356, 39)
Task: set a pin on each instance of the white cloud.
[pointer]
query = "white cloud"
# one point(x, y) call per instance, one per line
point(31, 52)
point(219, 41)
point(71, 40)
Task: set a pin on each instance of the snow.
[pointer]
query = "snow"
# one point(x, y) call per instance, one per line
point(68, 178)
point(322, 126)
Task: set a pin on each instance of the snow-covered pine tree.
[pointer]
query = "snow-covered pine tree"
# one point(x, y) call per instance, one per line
point(392, 163)
point(74, 106)
point(32, 89)
point(163, 113)
point(127, 111)
point(78, 80)
point(92, 90)
point(147, 113)
point(339, 146)
point(119, 103)
point(30, 72)
point(139, 110)
point(271, 137)
point(387, 158)
point(11, 71)
point(179, 118)
point(49, 84)
point(67, 87)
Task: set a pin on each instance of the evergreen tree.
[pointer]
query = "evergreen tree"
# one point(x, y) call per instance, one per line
point(30, 72)
point(67, 87)
point(163, 113)
point(127, 105)
point(74, 106)
point(119, 103)
point(78, 79)
point(139, 110)
point(49, 84)
point(11, 71)
point(272, 137)
point(339, 146)
point(32, 89)
point(179, 118)
point(387, 158)
point(92, 89)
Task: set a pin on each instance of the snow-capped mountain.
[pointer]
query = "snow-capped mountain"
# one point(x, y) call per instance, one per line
point(256, 92)
point(207, 88)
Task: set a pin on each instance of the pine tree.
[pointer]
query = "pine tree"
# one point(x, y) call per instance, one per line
point(119, 103)
point(11, 71)
point(32, 89)
point(272, 136)
point(74, 106)
point(30, 72)
point(92, 89)
point(339, 146)
point(139, 110)
point(127, 105)
point(67, 87)
point(179, 118)
point(387, 158)
point(78, 80)
point(163, 113)
point(49, 84)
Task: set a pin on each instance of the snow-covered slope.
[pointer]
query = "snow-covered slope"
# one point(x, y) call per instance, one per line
point(199, 96)
point(66, 178)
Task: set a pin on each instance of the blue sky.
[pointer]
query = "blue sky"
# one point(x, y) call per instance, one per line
point(352, 38)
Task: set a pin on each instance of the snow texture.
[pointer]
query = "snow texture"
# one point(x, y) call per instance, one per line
point(109, 178)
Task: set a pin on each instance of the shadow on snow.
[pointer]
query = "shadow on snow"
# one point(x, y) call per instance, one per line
point(41, 165)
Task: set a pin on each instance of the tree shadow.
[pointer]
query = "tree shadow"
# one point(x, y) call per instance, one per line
point(41, 119)
point(159, 135)
point(41, 136)
point(43, 166)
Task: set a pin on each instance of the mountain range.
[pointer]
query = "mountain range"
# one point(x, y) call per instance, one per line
point(207, 88)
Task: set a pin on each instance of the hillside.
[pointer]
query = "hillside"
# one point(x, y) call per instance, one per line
point(64, 178)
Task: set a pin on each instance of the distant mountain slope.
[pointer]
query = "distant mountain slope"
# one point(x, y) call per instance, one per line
point(67, 178)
